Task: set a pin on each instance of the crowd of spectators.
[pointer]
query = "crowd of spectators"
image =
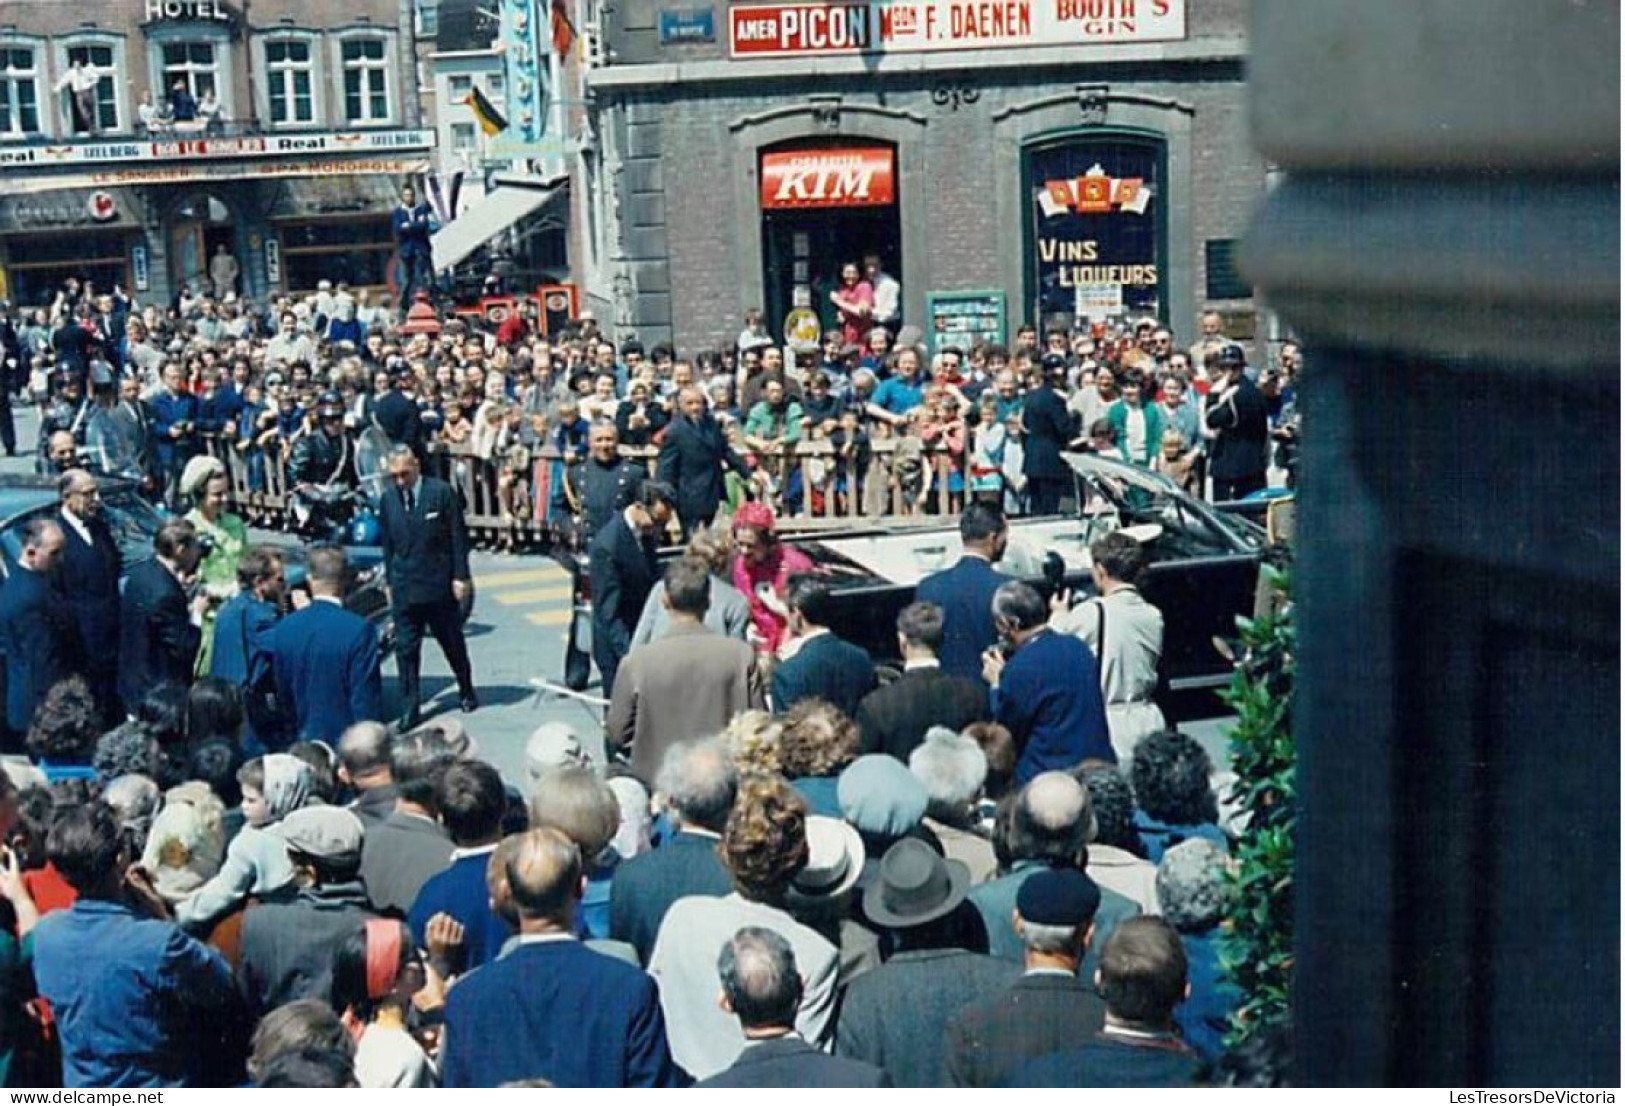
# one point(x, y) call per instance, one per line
point(994, 867)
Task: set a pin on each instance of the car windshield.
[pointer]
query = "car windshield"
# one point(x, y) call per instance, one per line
point(1129, 496)
point(132, 519)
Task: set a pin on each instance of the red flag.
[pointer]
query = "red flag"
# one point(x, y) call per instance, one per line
point(564, 30)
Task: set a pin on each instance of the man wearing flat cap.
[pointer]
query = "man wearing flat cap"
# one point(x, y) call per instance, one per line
point(1049, 1008)
point(288, 946)
point(894, 1016)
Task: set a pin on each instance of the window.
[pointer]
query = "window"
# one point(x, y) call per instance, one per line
point(495, 87)
point(366, 80)
point(98, 59)
point(426, 14)
point(356, 251)
point(462, 138)
point(19, 92)
point(290, 73)
point(459, 87)
point(194, 65)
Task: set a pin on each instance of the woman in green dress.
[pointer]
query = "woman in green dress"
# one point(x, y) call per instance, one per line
point(205, 482)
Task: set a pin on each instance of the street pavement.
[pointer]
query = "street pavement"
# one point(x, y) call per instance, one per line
point(516, 637)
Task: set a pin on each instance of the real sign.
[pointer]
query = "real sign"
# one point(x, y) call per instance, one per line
point(854, 177)
point(915, 26)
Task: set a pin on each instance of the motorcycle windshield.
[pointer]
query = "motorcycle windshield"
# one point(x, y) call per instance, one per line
point(371, 452)
point(109, 446)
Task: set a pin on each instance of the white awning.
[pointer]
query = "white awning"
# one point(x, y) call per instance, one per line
point(512, 200)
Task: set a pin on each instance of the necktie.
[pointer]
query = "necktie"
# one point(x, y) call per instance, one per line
point(407, 498)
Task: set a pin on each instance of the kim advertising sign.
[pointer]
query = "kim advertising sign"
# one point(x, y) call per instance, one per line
point(917, 26)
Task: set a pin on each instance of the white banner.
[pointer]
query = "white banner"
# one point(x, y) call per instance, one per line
point(914, 26)
point(190, 149)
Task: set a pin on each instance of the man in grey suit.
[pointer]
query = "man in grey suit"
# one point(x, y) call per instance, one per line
point(687, 685)
point(761, 987)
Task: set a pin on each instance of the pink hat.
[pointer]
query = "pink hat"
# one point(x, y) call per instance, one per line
point(757, 516)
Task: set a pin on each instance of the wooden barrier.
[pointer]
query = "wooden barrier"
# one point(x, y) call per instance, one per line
point(509, 500)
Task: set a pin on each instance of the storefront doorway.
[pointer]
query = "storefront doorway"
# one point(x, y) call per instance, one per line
point(200, 225)
point(824, 206)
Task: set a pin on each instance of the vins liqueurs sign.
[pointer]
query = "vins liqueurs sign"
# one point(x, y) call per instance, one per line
point(860, 177)
point(911, 26)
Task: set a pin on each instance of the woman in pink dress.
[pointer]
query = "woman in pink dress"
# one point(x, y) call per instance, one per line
point(762, 570)
point(855, 300)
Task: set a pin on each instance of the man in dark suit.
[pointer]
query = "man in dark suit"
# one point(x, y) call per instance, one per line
point(602, 484)
point(1047, 428)
point(36, 629)
point(622, 570)
point(692, 459)
point(1142, 977)
point(88, 579)
point(1238, 414)
point(326, 658)
point(159, 631)
point(1047, 1009)
point(699, 781)
point(426, 563)
point(174, 429)
point(893, 719)
point(552, 1008)
point(822, 666)
point(397, 414)
point(965, 591)
point(760, 986)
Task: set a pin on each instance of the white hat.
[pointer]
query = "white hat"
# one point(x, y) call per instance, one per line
point(552, 745)
point(835, 857)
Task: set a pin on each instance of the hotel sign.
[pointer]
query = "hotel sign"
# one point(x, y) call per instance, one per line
point(918, 26)
point(268, 146)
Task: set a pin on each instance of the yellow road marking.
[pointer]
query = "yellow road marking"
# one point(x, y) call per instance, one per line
point(549, 618)
point(532, 595)
point(521, 576)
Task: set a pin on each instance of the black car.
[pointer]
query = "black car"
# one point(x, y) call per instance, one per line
point(1203, 572)
point(135, 522)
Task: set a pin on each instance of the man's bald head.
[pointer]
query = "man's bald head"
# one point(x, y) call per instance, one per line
point(364, 754)
point(544, 876)
point(1052, 820)
point(75, 481)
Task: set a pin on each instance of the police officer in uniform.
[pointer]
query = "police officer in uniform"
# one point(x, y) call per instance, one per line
point(326, 455)
point(69, 411)
point(603, 484)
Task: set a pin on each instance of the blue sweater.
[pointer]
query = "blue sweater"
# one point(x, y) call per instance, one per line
point(461, 892)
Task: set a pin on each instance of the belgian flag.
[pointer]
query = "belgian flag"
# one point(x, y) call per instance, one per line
point(490, 119)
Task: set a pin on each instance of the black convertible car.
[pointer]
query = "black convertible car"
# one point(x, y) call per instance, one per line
point(1204, 570)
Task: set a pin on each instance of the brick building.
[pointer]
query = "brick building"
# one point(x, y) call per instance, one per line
point(306, 118)
point(1067, 156)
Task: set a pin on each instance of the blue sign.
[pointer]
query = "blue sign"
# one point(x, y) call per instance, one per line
point(680, 25)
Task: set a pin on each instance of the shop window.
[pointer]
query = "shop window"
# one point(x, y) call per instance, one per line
point(353, 250)
point(19, 92)
point(52, 259)
point(290, 74)
point(365, 63)
point(1095, 229)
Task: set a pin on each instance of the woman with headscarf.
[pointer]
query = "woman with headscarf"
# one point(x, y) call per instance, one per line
point(205, 483)
point(256, 863)
point(379, 976)
point(762, 571)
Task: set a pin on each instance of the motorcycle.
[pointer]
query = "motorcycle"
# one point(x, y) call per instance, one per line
point(338, 514)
